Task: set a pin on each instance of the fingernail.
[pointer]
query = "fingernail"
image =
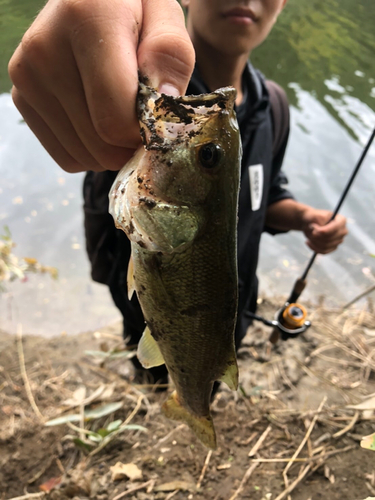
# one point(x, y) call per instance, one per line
point(169, 89)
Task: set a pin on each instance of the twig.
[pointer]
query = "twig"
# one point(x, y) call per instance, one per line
point(260, 441)
point(166, 437)
point(135, 488)
point(172, 494)
point(206, 462)
point(42, 471)
point(360, 296)
point(291, 487)
point(305, 460)
point(29, 495)
point(348, 427)
point(134, 412)
point(248, 473)
point(302, 444)
point(24, 374)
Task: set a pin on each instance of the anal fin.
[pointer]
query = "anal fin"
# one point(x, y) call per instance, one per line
point(230, 376)
point(202, 427)
point(148, 352)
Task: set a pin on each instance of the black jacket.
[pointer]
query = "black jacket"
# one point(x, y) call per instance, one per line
point(262, 183)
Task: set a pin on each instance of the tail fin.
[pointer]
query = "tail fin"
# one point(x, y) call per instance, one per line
point(202, 427)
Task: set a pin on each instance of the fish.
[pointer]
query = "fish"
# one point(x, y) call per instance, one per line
point(177, 201)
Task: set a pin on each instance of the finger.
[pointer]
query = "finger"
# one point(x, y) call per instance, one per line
point(47, 138)
point(104, 38)
point(165, 53)
point(330, 230)
point(323, 248)
point(54, 117)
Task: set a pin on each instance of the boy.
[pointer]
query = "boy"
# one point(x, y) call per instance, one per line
point(75, 80)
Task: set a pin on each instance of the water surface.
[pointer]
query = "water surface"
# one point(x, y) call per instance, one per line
point(321, 52)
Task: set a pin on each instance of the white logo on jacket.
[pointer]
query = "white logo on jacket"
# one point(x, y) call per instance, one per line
point(256, 185)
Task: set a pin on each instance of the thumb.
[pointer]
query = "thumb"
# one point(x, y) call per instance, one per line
point(165, 53)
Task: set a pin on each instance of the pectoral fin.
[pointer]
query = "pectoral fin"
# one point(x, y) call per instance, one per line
point(148, 352)
point(202, 427)
point(130, 278)
point(230, 376)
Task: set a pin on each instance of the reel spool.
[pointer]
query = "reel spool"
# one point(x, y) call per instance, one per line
point(290, 321)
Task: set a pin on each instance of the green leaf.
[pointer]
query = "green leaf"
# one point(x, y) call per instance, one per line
point(110, 354)
point(7, 236)
point(63, 420)
point(99, 412)
point(102, 411)
point(80, 444)
point(113, 426)
point(103, 432)
point(96, 437)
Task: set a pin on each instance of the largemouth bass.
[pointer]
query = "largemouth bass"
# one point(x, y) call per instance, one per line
point(176, 200)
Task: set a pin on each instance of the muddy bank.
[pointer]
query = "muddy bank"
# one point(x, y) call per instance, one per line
point(293, 415)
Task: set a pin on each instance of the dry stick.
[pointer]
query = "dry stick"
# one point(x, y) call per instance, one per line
point(24, 374)
point(303, 442)
point(348, 427)
point(133, 413)
point(306, 460)
point(28, 496)
point(291, 487)
point(171, 495)
point(360, 296)
point(42, 471)
point(166, 437)
point(135, 488)
point(206, 462)
point(260, 441)
point(248, 473)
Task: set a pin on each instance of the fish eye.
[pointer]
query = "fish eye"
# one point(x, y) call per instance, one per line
point(209, 155)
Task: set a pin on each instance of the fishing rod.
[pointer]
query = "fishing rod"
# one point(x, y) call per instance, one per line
point(290, 320)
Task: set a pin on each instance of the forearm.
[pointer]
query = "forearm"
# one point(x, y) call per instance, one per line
point(287, 214)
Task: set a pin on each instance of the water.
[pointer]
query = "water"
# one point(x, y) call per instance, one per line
point(321, 52)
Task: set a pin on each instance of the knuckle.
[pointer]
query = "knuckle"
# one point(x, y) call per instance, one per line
point(76, 11)
point(174, 51)
point(111, 130)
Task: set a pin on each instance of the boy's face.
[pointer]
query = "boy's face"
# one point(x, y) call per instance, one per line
point(232, 27)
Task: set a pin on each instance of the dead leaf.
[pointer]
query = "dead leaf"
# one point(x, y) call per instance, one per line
point(176, 485)
point(368, 404)
point(50, 484)
point(121, 471)
point(77, 397)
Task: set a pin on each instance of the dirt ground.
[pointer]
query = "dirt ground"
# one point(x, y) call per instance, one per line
point(300, 413)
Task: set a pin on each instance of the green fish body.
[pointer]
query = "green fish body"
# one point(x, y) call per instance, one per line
point(176, 200)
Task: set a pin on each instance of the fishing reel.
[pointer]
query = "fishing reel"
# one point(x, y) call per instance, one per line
point(290, 321)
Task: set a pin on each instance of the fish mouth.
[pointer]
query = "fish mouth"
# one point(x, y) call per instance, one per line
point(165, 120)
point(241, 14)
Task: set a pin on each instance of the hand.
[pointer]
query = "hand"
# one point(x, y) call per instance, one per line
point(75, 75)
point(321, 237)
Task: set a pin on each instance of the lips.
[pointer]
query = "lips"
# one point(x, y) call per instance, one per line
point(241, 13)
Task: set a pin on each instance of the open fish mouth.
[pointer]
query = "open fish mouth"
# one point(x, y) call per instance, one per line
point(167, 120)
